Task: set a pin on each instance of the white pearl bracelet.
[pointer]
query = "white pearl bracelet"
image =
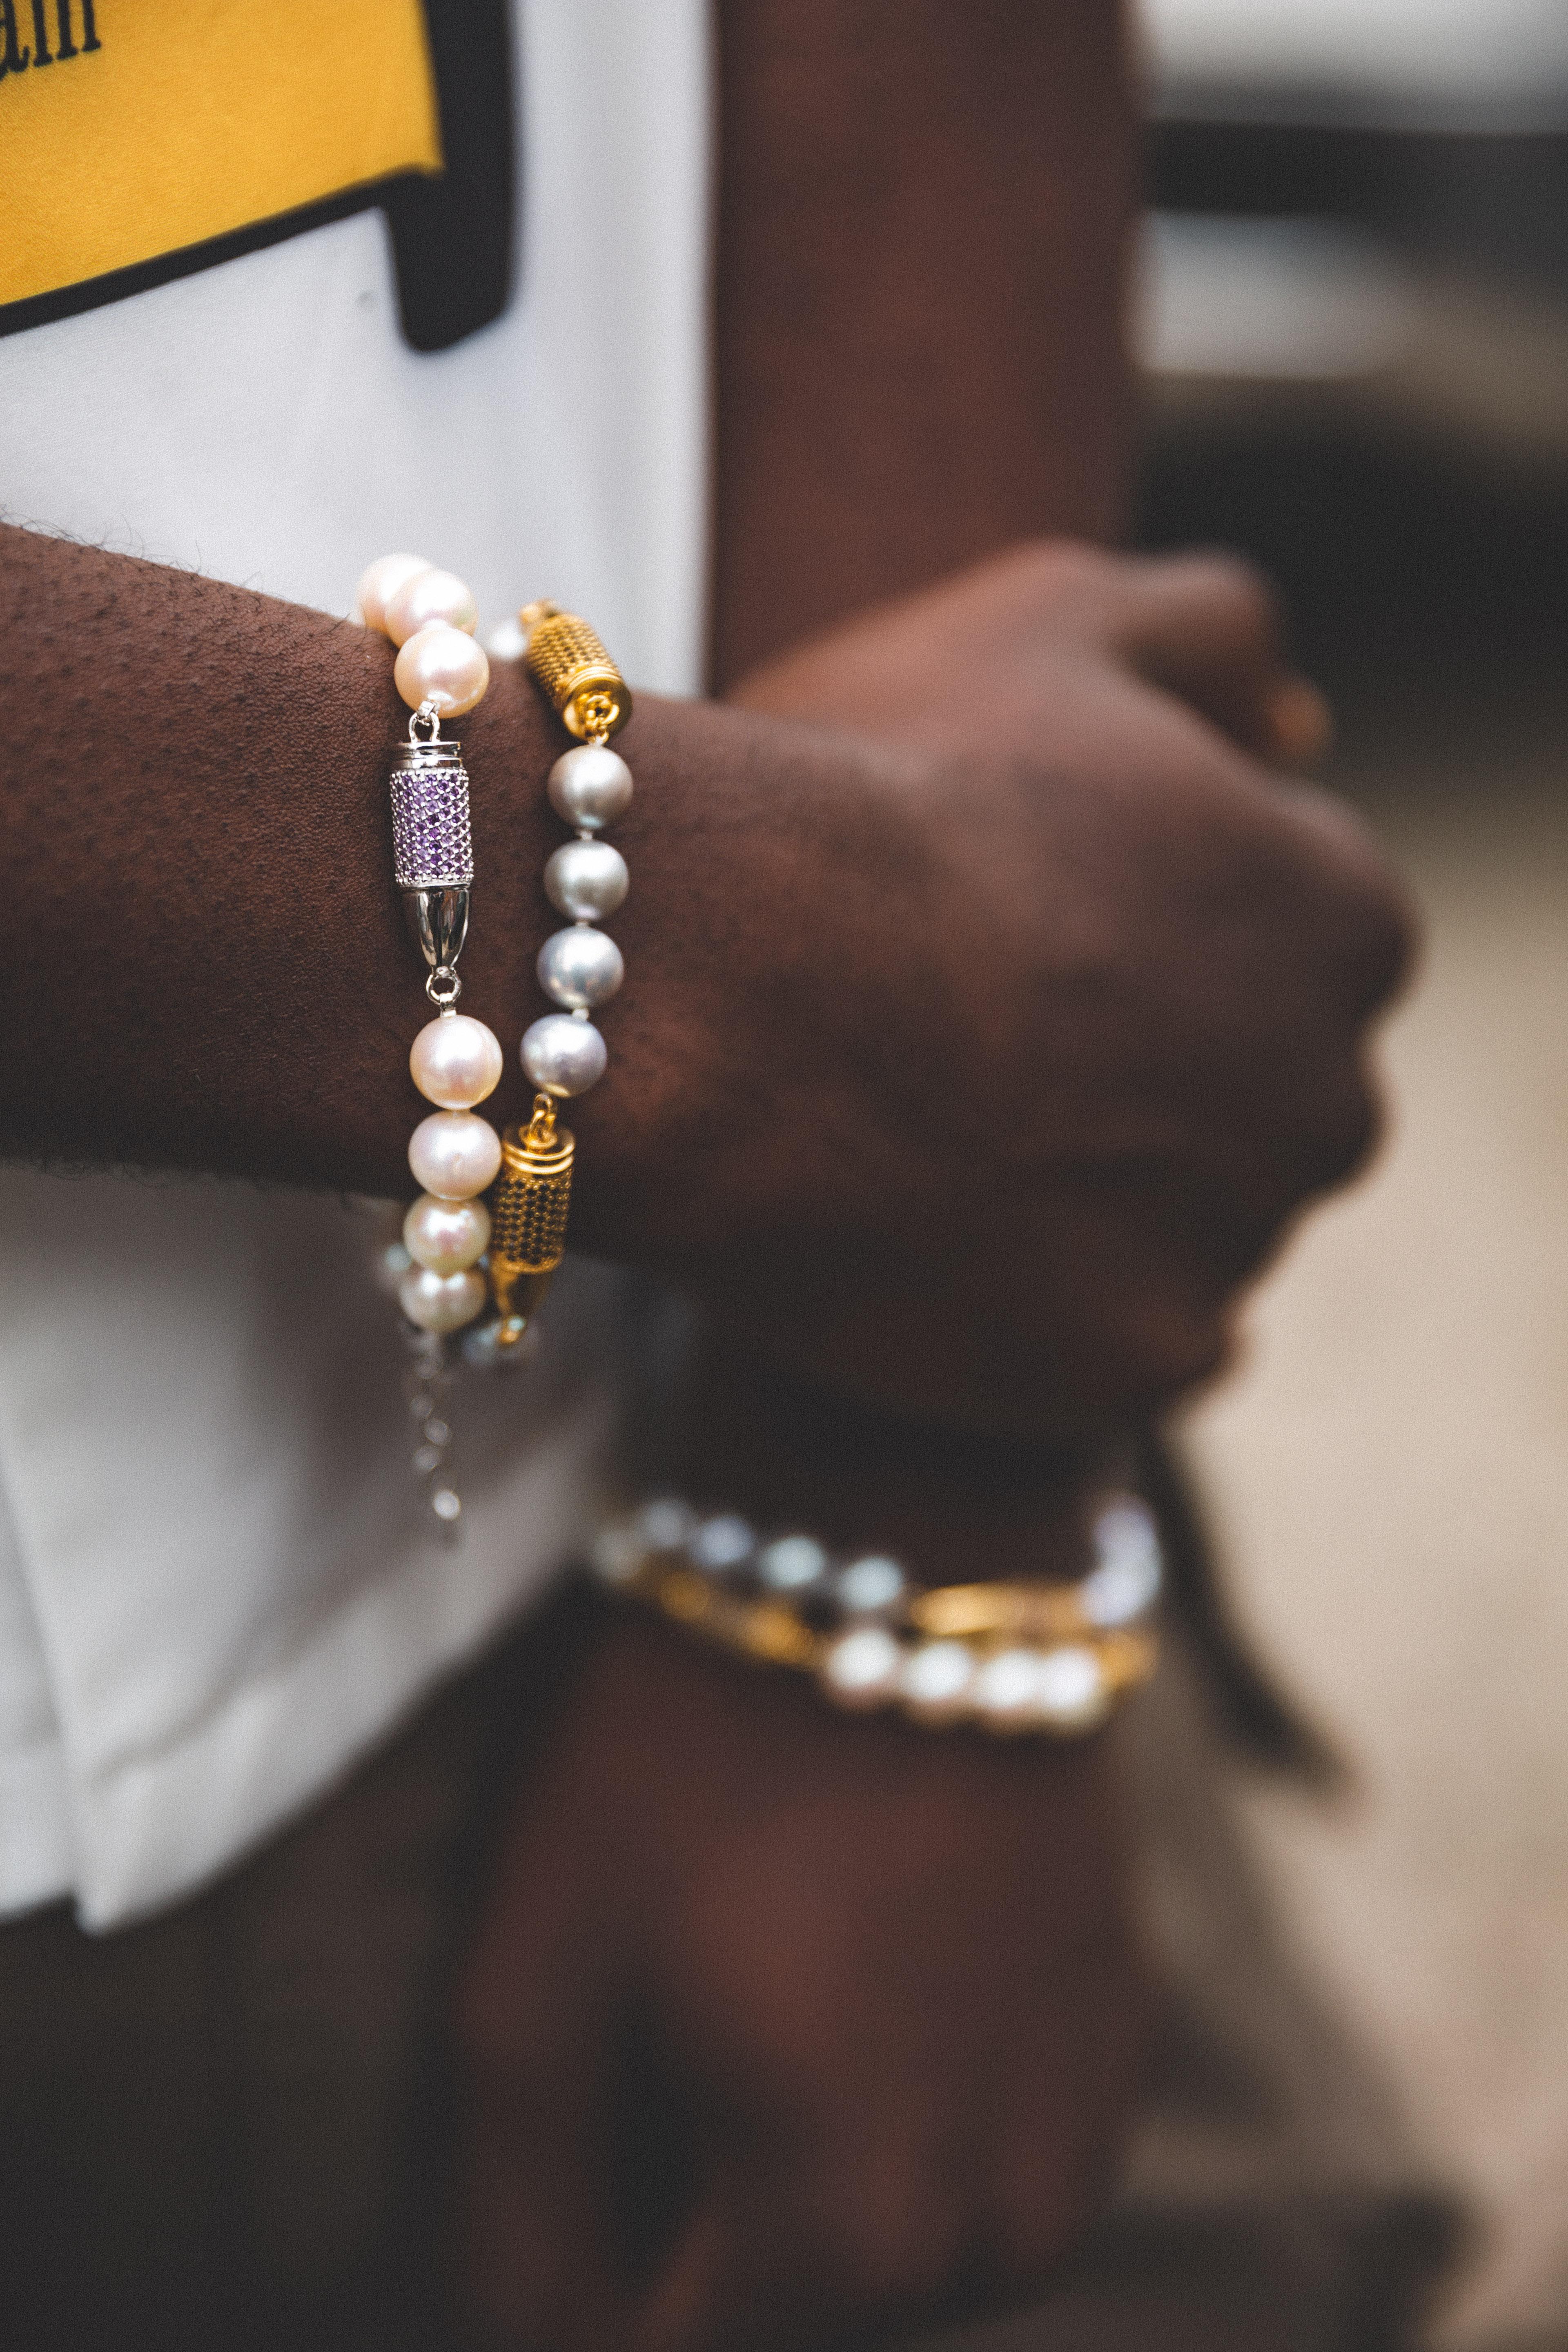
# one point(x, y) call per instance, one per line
point(454, 1061)
point(1006, 1657)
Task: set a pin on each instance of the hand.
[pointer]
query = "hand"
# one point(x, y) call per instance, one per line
point(990, 1011)
point(1008, 1017)
point(784, 2028)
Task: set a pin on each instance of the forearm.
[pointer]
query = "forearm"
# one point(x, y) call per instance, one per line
point(214, 972)
point(955, 1505)
point(923, 220)
point(193, 779)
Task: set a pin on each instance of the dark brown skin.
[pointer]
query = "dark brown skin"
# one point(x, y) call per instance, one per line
point(988, 897)
point(923, 214)
point(970, 1069)
point(783, 2032)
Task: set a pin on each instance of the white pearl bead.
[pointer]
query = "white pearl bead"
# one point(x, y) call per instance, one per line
point(454, 1154)
point(587, 879)
point(563, 1056)
point(791, 1563)
point(869, 1584)
point(505, 642)
point(1119, 1591)
point(861, 1669)
point(1006, 1689)
point(388, 1267)
point(1071, 1692)
point(1127, 1579)
point(431, 595)
point(618, 1552)
point(590, 786)
point(666, 1523)
point(723, 1543)
point(446, 1236)
point(456, 1061)
point(935, 1680)
point(380, 581)
point(442, 665)
point(579, 968)
point(441, 1302)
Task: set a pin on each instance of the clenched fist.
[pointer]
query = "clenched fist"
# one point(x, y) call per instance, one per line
point(997, 1005)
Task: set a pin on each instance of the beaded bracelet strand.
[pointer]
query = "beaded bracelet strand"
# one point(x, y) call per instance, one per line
point(580, 969)
point(456, 1061)
point(1054, 1658)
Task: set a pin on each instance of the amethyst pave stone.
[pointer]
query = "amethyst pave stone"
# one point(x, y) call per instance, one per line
point(431, 841)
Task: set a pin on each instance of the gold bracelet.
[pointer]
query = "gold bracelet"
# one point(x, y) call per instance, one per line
point(1047, 1658)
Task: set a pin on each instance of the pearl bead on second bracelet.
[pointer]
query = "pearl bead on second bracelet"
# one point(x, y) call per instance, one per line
point(563, 1055)
point(442, 665)
point(431, 595)
point(446, 1236)
point(579, 968)
point(454, 1154)
point(587, 879)
point(590, 786)
point(456, 1061)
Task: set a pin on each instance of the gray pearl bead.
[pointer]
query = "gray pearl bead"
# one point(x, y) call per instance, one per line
point(723, 1543)
point(563, 1056)
point(791, 1563)
point(579, 968)
point(590, 786)
point(587, 879)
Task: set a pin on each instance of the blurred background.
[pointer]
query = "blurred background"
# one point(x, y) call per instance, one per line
point(1353, 317)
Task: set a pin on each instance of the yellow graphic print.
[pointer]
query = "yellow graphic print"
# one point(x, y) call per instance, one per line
point(130, 129)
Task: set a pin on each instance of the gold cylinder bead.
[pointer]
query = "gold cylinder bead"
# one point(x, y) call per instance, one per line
point(528, 1203)
point(570, 663)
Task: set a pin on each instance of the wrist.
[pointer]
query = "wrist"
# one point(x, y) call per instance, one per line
point(955, 1505)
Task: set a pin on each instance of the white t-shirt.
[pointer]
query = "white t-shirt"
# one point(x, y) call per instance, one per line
point(217, 1585)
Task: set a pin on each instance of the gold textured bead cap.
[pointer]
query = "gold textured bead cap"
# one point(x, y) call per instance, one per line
point(569, 661)
point(529, 1204)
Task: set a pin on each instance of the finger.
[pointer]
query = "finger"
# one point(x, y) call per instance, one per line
point(1301, 724)
point(1207, 629)
point(1366, 920)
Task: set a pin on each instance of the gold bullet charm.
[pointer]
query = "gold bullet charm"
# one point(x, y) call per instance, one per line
point(569, 660)
point(529, 1204)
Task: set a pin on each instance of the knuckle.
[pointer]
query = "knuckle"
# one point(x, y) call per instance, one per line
point(1369, 924)
point(1235, 580)
point(1390, 943)
point(1347, 1134)
point(1241, 599)
point(1065, 570)
point(1379, 937)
